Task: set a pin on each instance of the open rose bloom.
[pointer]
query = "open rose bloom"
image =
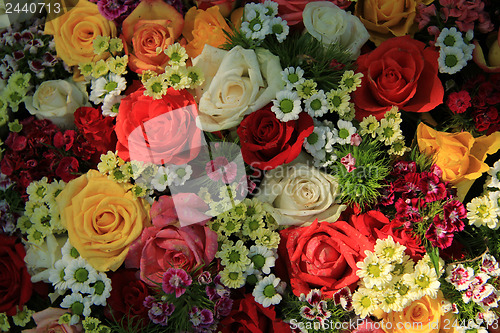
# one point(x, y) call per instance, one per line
point(250, 166)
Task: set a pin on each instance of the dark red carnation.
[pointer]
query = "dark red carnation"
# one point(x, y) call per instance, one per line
point(67, 168)
point(266, 142)
point(96, 128)
point(15, 281)
point(249, 316)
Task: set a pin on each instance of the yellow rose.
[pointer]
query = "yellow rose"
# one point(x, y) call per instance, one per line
point(459, 155)
point(422, 316)
point(102, 219)
point(75, 31)
point(386, 19)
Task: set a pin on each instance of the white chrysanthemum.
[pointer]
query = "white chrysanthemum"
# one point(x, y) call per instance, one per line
point(389, 250)
point(262, 259)
point(177, 77)
point(179, 174)
point(450, 38)
point(389, 132)
point(338, 101)
point(451, 60)
point(279, 28)
point(286, 106)
point(345, 130)
point(271, 8)
point(177, 55)
point(112, 84)
point(390, 300)
point(255, 24)
point(495, 199)
point(350, 81)
point(393, 114)
point(374, 271)
point(69, 252)
point(160, 179)
point(79, 275)
point(232, 279)
point(111, 104)
point(234, 256)
point(58, 275)
point(315, 142)
point(37, 190)
point(266, 293)
point(494, 176)
point(100, 289)
point(369, 126)
point(317, 104)
point(364, 302)
point(481, 211)
point(292, 76)
point(423, 281)
point(79, 306)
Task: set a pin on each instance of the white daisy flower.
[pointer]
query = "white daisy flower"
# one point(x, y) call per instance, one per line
point(451, 60)
point(38, 190)
point(232, 279)
point(255, 25)
point(315, 143)
point(79, 275)
point(271, 8)
point(345, 130)
point(262, 259)
point(286, 106)
point(338, 101)
point(160, 179)
point(495, 199)
point(390, 300)
point(364, 302)
point(177, 77)
point(494, 176)
point(423, 281)
point(389, 132)
point(58, 275)
point(100, 289)
point(350, 81)
point(292, 77)
point(316, 105)
point(482, 211)
point(368, 126)
point(374, 271)
point(450, 38)
point(177, 55)
point(178, 174)
point(79, 306)
point(279, 28)
point(112, 84)
point(389, 250)
point(111, 104)
point(266, 293)
point(69, 252)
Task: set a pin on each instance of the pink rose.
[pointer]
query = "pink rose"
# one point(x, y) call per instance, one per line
point(164, 245)
point(48, 321)
point(187, 208)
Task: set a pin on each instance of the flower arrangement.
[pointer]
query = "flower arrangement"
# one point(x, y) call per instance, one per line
point(250, 166)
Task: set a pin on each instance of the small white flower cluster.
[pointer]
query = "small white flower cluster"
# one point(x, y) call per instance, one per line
point(299, 90)
point(485, 210)
point(260, 20)
point(41, 216)
point(177, 74)
point(493, 180)
point(387, 130)
point(390, 280)
point(474, 286)
point(146, 176)
point(74, 274)
point(454, 50)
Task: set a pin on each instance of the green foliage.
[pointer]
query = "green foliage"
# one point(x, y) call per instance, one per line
point(424, 162)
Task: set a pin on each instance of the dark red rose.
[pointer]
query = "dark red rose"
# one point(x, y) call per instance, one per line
point(323, 255)
point(405, 237)
point(127, 296)
point(15, 282)
point(96, 128)
point(402, 72)
point(266, 142)
point(250, 316)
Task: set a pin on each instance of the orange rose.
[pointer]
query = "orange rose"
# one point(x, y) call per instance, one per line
point(75, 31)
point(459, 155)
point(204, 27)
point(153, 24)
point(386, 19)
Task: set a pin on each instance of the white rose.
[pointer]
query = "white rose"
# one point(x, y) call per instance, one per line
point(300, 194)
point(237, 82)
point(40, 259)
point(329, 24)
point(57, 100)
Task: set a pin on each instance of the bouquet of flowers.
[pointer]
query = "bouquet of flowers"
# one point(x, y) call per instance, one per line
point(239, 166)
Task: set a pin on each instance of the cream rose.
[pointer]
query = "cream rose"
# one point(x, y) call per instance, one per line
point(237, 82)
point(300, 194)
point(40, 259)
point(331, 25)
point(57, 100)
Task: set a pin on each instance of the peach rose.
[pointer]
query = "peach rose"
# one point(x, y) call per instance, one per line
point(422, 316)
point(75, 31)
point(385, 19)
point(459, 155)
point(204, 27)
point(48, 321)
point(102, 217)
point(153, 24)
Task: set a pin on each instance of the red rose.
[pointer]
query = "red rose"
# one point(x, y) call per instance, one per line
point(370, 223)
point(158, 131)
point(127, 296)
point(96, 128)
point(250, 316)
point(291, 10)
point(15, 281)
point(267, 142)
point(323, 255)
point(400, 72)
point(405, 237)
